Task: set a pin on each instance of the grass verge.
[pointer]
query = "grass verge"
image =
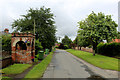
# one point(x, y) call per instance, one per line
point(100, 61)
point(16, 68)
point(40, 68)
point(6, 78)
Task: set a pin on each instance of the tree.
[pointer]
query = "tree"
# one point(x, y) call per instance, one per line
point(44, 30)
point(66, 41)
point(98, 27)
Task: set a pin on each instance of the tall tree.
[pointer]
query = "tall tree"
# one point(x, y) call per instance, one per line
point(44, 25)
point(98, 27)
point(66, 40)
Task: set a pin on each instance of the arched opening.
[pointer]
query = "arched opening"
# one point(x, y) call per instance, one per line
point(20, 45)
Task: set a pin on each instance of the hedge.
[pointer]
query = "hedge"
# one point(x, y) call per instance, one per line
point(109, 49)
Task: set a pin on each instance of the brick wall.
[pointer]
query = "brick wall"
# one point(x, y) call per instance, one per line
point(6, 62)
point(6, 59)
point(18, 53)
point(116, 40)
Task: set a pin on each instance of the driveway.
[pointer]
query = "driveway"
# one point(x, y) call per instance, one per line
point(65, 65)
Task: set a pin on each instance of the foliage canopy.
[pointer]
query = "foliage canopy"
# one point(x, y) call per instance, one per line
point(66, 40)
point(44, 25)
point(98, 27)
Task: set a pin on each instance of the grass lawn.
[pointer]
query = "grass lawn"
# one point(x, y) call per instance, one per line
point(101, 61)
point(7, 78)
point(16, 68)
point(40, 68)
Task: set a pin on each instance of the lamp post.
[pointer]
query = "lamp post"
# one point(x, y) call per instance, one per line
point(77, 43)
point(34, 38)
point(34, 26)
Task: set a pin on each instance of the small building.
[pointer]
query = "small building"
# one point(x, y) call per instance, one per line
point(23, 47)
point(116, 40)
point(6, 31)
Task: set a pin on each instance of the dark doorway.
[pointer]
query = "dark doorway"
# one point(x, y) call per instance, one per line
point(21, 45)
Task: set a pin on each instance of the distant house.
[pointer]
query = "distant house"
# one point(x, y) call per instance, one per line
point(56, 44)
point(6, 31)
point(116, 40)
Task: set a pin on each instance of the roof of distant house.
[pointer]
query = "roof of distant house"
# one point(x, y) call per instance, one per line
point(4, 32)
point(6, 29)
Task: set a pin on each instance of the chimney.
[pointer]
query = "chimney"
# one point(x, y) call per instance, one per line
point(6, 31)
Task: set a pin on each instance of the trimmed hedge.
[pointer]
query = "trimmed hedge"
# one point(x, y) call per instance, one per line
point(109, 49)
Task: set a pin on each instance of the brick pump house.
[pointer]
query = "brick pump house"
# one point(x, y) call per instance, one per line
point(23, 47)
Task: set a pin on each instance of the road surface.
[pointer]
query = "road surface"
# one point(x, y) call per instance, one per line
point(65, 65)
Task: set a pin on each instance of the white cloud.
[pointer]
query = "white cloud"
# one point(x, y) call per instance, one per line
point(67, 12)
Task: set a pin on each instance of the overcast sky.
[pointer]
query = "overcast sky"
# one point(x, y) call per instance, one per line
point(67, 12)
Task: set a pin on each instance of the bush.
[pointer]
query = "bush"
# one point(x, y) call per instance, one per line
point(56, 46)
point(38, 46)
point(61, 46)
point(6, 42)
point(66, 47)
point(109, 49)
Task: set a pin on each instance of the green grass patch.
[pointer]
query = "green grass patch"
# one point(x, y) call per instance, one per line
point(101, 61)
point(40, 68)
point(16, 68)
point(7, 78)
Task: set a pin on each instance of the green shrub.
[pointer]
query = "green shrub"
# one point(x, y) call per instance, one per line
point(38, 46)
point(90, 46)
point(109, 49)
point(56, 46)
point(61, 46)
point(36, 60)
point(6, 42)
point(66, 47)
point(37, 56)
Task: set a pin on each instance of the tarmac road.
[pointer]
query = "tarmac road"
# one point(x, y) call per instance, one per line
point(65, 65)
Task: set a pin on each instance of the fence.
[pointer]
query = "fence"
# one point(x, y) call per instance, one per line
point(85, 49)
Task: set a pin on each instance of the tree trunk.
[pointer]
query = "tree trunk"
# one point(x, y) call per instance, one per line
point(80, 47)
point(93, 52)
point(77, 47)
point(94, 48)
